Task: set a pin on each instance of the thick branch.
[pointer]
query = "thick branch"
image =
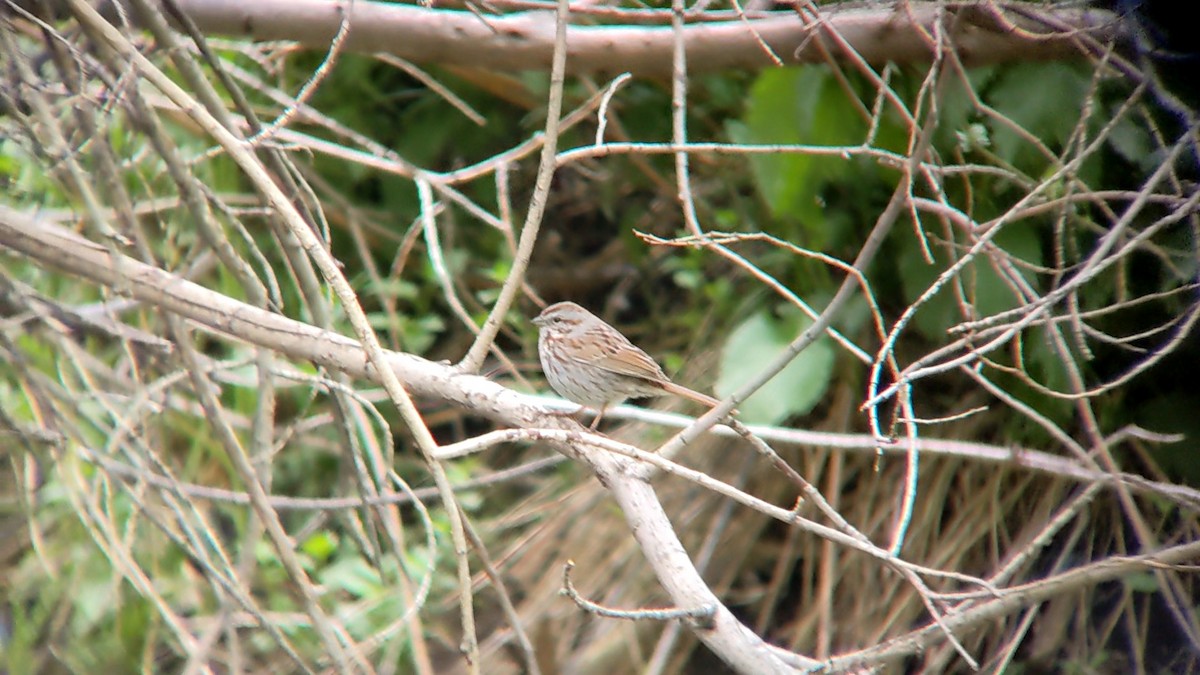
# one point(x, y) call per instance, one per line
point(56, 247)
point(981, 34)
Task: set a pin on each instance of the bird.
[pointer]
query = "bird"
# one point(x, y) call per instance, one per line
point(589, 362)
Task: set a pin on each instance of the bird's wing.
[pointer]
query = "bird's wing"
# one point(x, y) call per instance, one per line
point(632, 362)
point(621, 357)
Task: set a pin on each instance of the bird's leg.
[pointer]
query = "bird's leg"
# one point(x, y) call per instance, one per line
point(596, 421)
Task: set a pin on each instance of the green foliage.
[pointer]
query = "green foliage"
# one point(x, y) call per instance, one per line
point(821, 200)
point(1173, 411)
point(73, 588)
point(1145, 582)
point(826, 193)
point(320, 546)
point(28, 618)
point(786, 108)
point(1133, 143)
point(1013, 94)
point(21, 177)
point(983, 288)
point(757, 342)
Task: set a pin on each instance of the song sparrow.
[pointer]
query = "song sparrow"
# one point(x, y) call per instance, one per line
point(591, 363)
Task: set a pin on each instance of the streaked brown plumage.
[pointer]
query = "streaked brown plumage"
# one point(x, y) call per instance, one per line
point(591, 363)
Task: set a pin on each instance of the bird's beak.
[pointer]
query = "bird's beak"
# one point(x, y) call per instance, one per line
point(539, 321)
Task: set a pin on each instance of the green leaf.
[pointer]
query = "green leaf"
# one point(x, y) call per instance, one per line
point(419, 332)
point(802, 105)
point(1143, 582)
point(982, 285)
point(319, 546)
point(1021, 93)
point(757, 342)
point(1132, 142)
point(956, 108)
point(352, 575)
